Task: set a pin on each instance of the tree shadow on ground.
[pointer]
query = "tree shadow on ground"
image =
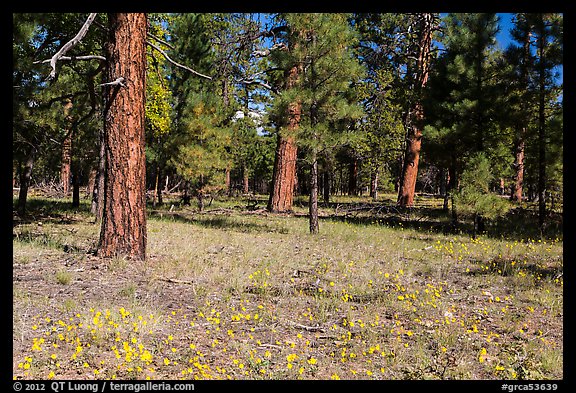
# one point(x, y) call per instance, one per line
point(220, 222)
point(517, 224)
point(505, 267)
point(49, 211)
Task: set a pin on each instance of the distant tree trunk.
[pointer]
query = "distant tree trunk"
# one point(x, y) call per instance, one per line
point(91, 181)
point(228, 183)
point(313, 204)
point(452, 185)
point(479, 226)
point(123, 229)
point(415, 117)
point(65, 172)
point(200, 197)
point(245, 179)
point(97, 207)
point(25, 177)
point(353, 177)
point(326, 186)
point(75, 189)
point(444, 179)
point(518, 184)
point(374, 184)
point(541, 128)
point(159, 185)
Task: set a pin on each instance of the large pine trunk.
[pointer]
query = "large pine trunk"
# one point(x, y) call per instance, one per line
point(415, 117)
point(284, 173)
point(411, 161)
point(284, 176)
point(123, 229)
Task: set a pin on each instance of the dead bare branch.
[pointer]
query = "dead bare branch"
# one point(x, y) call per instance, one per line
point(73, 58)
point(118, 82)
point(160, 40)
point(177, 64)
point(70, 44)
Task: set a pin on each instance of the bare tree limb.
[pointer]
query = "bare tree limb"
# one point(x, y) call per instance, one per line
point(73, 58)
point(70, 44)
point(266, 52)
point(160, 40)
point(118, 82)
point(252, 81)
point(177, 64)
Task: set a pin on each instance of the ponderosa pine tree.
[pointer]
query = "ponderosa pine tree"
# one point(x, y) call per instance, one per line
point(418, 73)
point(288, 122)
point(322, 97)
point(521, 59)
point(123, 229)
point(464, 94)
point(548, 36)
point(50, 114)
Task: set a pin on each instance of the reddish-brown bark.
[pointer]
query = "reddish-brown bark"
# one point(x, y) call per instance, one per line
point(415, 118)
point(123, 229)
point(284, 174)
point(518, 184)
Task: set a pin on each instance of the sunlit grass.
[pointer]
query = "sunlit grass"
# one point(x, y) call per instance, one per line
point(256, 297)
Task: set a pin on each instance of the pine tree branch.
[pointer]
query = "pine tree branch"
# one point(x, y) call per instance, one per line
point(177, 64)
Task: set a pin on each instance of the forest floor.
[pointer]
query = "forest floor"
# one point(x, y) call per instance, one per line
point(237, 293)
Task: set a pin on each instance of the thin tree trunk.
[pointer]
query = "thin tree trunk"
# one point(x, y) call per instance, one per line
point(228, 183)
point(415, 117)
point(123, 229)
point(65, 171)
point(245, 179)
point(353, 177)
point(25, 177)
point(313, 202)
point(75, 190)
point(374, 184)
point(444, 179)
point(91, 181)
point(97, 207)
point(326, 189)
point(158, 187)
point(541, 128)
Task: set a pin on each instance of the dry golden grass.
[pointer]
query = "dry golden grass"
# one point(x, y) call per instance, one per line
point(229, 294)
